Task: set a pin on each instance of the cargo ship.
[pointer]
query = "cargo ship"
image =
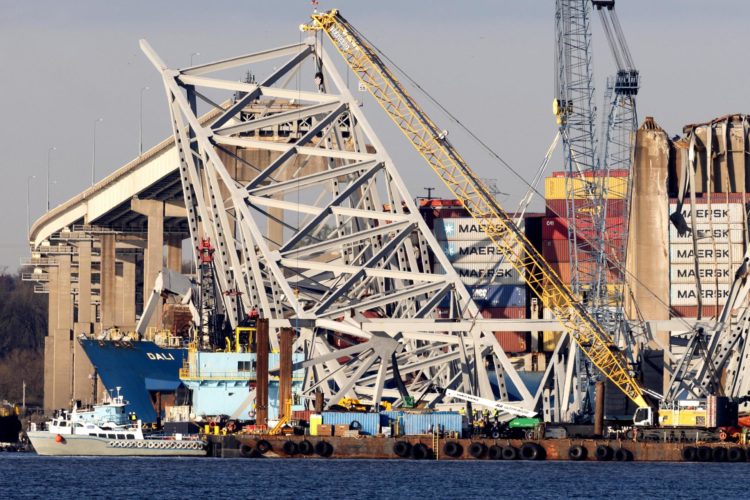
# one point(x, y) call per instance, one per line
point(146, 372)
point(209, 383)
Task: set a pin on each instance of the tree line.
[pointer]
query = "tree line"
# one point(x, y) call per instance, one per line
point(23, 326)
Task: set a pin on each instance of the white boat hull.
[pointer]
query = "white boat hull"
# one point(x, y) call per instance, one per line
point(45, 443)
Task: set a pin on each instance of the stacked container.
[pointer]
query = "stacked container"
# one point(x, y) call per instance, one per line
point(719, 230)
point(499, 290)
point(556, 248)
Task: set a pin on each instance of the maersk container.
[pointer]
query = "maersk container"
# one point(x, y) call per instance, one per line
point(369, 422)
point(720, 253)
point(498, 295)
point(707, 273)
point(715, 212)
point(460, 229)
point(490, 273)
point(480, 251)
point(687, 294)
point(425, 423)
point(720, 232)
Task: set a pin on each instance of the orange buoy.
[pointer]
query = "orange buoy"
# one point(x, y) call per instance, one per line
point(59, 439)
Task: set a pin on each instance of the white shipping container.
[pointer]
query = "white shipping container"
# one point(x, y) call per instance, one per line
point(721, 232)
point(719, 253)
point(471, 251)
point(687, 295)
point(707, 273)
point(716, 212)
point(457, 229)
point(495, 274)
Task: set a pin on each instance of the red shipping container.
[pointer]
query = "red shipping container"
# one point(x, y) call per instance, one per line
point(436, 202)
point(556, 250)
point(563, 271)
point(554, 228)
point(504, 313)
point(512, 342)
point(450, 213)
point(302, 415)
point(692, 312)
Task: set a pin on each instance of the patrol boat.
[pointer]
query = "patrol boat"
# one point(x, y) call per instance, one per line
point(106, 429)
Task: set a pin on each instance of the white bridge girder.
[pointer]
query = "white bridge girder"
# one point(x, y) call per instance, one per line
point(355, 251)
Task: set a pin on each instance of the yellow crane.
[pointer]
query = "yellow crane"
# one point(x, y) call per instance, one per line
point(442, 157)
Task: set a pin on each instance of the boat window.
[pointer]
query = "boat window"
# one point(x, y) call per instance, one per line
point(111, 436)
point(244, 366)
point(130, 436)
point(121, 436)
point(102, 435)
point(63, 424)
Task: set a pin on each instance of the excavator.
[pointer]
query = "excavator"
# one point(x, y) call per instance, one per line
point(433, 145)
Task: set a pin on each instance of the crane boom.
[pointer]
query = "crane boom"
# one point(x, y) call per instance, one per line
point(487, 403)
point(442, 157)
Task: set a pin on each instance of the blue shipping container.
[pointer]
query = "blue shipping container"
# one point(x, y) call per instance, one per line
point(370, 422)
point(499, 295)
point(493, 296)
point(425, 423)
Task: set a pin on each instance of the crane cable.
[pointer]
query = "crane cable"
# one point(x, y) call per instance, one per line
point(497, 156)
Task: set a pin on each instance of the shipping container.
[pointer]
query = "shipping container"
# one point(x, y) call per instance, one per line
point(720, 253)
point(471, 251)
point(302, 415)
point(720, 232)
point(489, 273)
point(715, 212)
point(555, 228)
point(425, 423)
point(369, 422)
point(513, 342)
point(548, 298)
point(707, 273)
point(460, 229)
point(563, 270)
point(498, 295)
point(559, 250)
point(615, 172)
point(439, 203)
point(550, 340)
point(556, 250)
point(692, 311)
point(555, 188)
point(504, 313)
point(558, 208)
point(687, 294)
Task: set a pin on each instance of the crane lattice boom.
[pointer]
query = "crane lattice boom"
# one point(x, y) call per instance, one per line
point(432, 145)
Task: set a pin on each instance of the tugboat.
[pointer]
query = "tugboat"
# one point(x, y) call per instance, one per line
point(104, 430)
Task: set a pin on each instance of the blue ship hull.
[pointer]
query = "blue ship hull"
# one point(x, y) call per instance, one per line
point(140, 369)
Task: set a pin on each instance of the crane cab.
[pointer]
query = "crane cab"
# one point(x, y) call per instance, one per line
point(643, 417)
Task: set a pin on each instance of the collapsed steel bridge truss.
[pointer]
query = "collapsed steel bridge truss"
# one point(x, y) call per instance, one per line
point(348, 247)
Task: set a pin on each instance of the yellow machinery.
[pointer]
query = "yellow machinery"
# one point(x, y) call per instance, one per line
point(434, 147)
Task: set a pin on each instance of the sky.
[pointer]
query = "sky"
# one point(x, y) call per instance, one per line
point(491, 63)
